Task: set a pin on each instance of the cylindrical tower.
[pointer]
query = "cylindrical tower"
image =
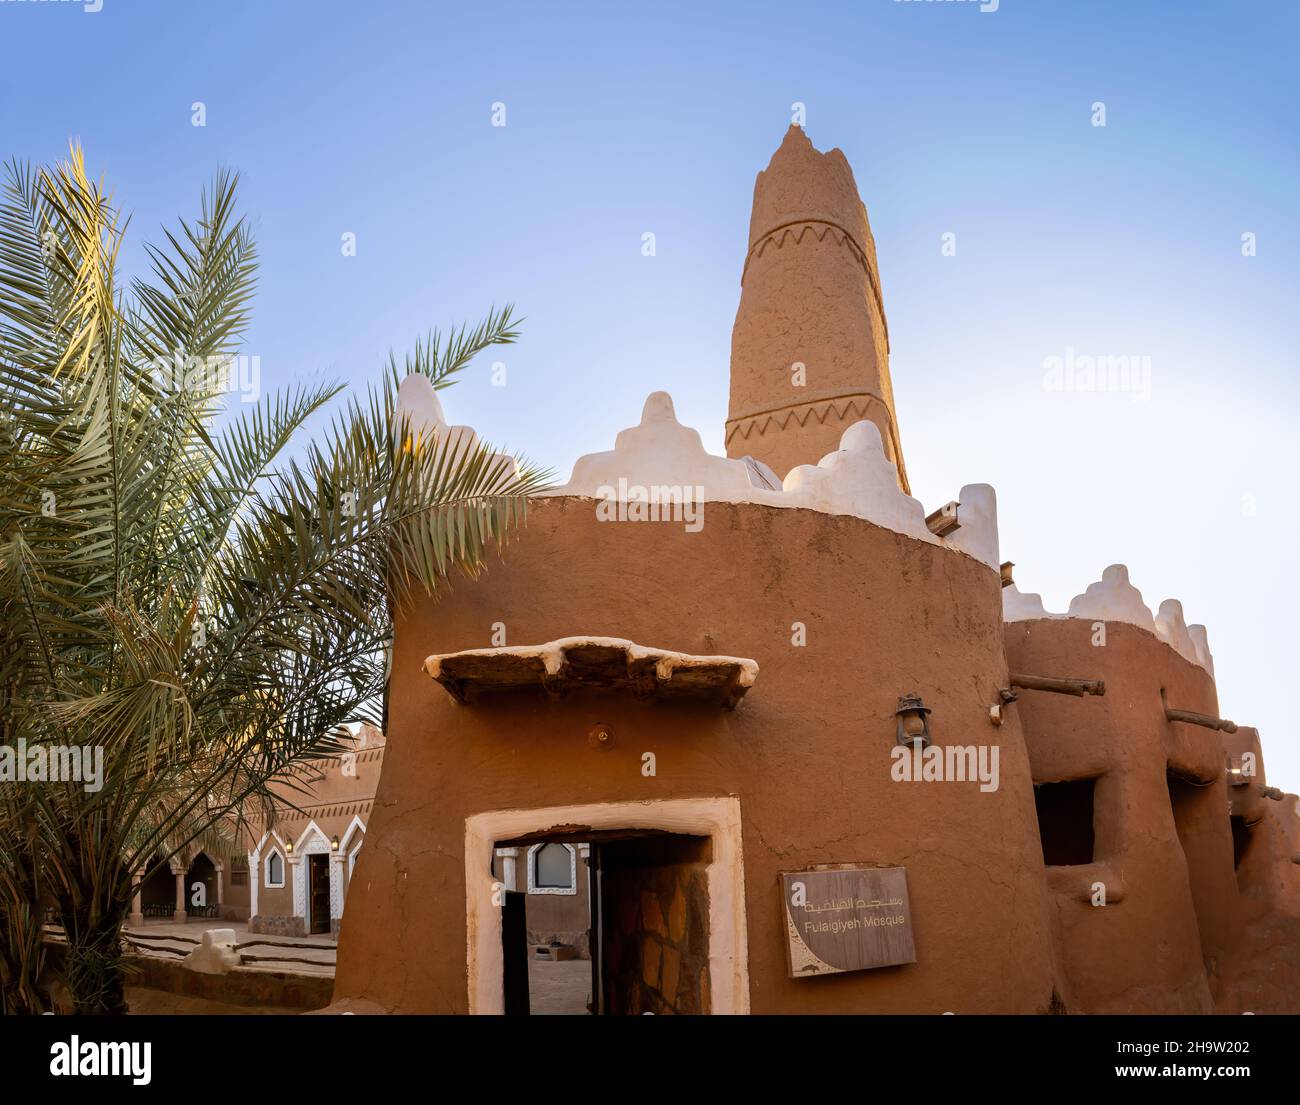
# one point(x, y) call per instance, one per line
point(810, 347)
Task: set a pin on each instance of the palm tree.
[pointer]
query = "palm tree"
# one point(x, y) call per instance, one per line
point(204, 597)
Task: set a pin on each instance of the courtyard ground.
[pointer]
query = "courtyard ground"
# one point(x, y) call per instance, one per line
point(555, 988)
point(559, 989)
point(270, 953)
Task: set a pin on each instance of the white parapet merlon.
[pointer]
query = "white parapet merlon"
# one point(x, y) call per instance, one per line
point(1019, 606)
point(977, 515)
point(1201, 640)
point(859, 479)
point(419, 413)
point(1114, 599)
point(659, 453)
point(1172, 629)
point(660, 459)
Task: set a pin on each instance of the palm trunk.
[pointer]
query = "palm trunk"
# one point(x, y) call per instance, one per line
point(94, 968)
point(93, 916)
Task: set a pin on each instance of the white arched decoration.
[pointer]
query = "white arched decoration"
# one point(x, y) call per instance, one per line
point(348, 854)
point(313, 842)
point(357, 826)
point(533, 888)
point(255, 872)
point(218, 868)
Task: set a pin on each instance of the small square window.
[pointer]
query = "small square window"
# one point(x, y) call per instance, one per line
point(1065, 821)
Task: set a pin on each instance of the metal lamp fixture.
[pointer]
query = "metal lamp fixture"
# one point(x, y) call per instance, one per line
point(334, 844)
point(913, 720)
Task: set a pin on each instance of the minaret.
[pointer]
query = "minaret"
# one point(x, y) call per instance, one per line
point(810, 347)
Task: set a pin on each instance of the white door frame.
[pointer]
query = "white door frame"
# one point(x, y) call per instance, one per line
point(313, 842)
point(716, 818)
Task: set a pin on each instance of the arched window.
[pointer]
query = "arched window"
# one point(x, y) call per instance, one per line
point(552, 869)
point(275, 869)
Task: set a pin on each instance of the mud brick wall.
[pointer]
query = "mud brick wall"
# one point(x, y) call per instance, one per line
point(240, 987)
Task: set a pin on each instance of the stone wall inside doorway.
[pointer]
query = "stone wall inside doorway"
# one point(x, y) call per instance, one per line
point(655, 925)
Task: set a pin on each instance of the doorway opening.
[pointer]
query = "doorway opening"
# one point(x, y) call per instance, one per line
point(318, 894)
point(614, 923)
point(716, 820)
point(201, 888)
point(158, 892)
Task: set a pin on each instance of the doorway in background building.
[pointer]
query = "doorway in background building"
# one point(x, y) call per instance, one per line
point(643, 897)
point(201, 888)
point(318, 894)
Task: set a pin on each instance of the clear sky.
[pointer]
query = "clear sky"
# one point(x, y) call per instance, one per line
point(375, 119)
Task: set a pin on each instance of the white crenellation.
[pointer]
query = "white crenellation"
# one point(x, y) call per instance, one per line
point(1017, 606)
point(977, 532)
point(1114, 599)
point(1201, 640)
point(857, 479)
point(419, 413)
point(1172, 629)
point(660, 452)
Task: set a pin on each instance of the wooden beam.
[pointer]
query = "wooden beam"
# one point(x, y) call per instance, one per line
point(1191, 717)
point(1077, 687)
point(944, 520)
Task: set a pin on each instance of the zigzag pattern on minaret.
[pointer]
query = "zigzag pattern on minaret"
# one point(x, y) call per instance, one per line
point(820, 409)
point(797, 230)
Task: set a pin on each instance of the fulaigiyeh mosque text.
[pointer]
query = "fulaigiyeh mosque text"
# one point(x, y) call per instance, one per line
point(847, 919)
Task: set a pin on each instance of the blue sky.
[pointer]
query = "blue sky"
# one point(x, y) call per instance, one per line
point(375, 119)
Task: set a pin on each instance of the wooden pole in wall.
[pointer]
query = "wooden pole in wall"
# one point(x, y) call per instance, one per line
point(1193, 718)
point(1077, 687)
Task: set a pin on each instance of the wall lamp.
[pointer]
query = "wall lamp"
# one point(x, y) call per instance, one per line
point(334, 844)
point(913, 722)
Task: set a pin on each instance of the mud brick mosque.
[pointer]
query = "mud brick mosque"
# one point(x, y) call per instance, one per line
point(816, 754)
